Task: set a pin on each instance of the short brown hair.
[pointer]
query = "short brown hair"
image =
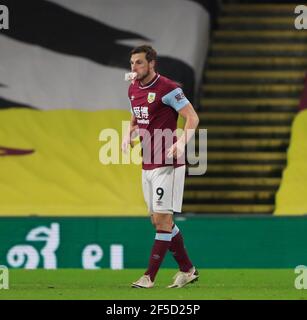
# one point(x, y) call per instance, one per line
point(151, 54)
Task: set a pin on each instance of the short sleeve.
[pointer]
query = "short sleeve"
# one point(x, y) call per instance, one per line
point(176, 99)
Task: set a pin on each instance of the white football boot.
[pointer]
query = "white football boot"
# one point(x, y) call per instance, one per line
point(183, 278)
point(143, 282)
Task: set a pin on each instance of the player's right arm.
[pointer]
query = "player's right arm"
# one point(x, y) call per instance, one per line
point(130, 134)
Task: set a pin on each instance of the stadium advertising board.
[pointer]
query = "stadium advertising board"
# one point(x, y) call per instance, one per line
point(120, 243)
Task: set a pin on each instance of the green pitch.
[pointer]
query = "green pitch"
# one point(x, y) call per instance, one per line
point(115, 285)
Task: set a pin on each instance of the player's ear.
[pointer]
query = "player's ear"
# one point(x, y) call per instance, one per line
point(152, 64)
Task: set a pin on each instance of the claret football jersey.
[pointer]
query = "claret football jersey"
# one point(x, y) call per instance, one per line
point(155, 107)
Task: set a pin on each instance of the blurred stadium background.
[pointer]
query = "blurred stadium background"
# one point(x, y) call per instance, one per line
point(62, 64)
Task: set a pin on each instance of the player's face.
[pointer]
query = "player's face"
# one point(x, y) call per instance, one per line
point(141, 66)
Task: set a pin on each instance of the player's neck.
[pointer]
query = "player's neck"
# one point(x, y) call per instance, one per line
point(148, 79)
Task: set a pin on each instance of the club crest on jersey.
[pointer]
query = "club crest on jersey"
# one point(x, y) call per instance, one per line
point(151, 97)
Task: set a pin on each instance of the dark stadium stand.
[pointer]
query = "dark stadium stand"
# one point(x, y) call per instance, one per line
point(303, 98)
point(251, 88)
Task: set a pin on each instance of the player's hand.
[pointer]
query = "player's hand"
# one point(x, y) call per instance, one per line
point(126, 142)
point(176, 150)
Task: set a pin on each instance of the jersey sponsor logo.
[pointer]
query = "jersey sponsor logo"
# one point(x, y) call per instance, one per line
point(179, 96)
point(142, 121)
point(141, 114)
point(144, 112)
point(151, 97)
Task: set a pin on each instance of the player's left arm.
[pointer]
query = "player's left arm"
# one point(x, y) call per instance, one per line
point(191, 123)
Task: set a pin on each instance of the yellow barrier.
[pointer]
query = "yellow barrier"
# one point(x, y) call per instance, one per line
point(291, 198)
point(63, 176)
